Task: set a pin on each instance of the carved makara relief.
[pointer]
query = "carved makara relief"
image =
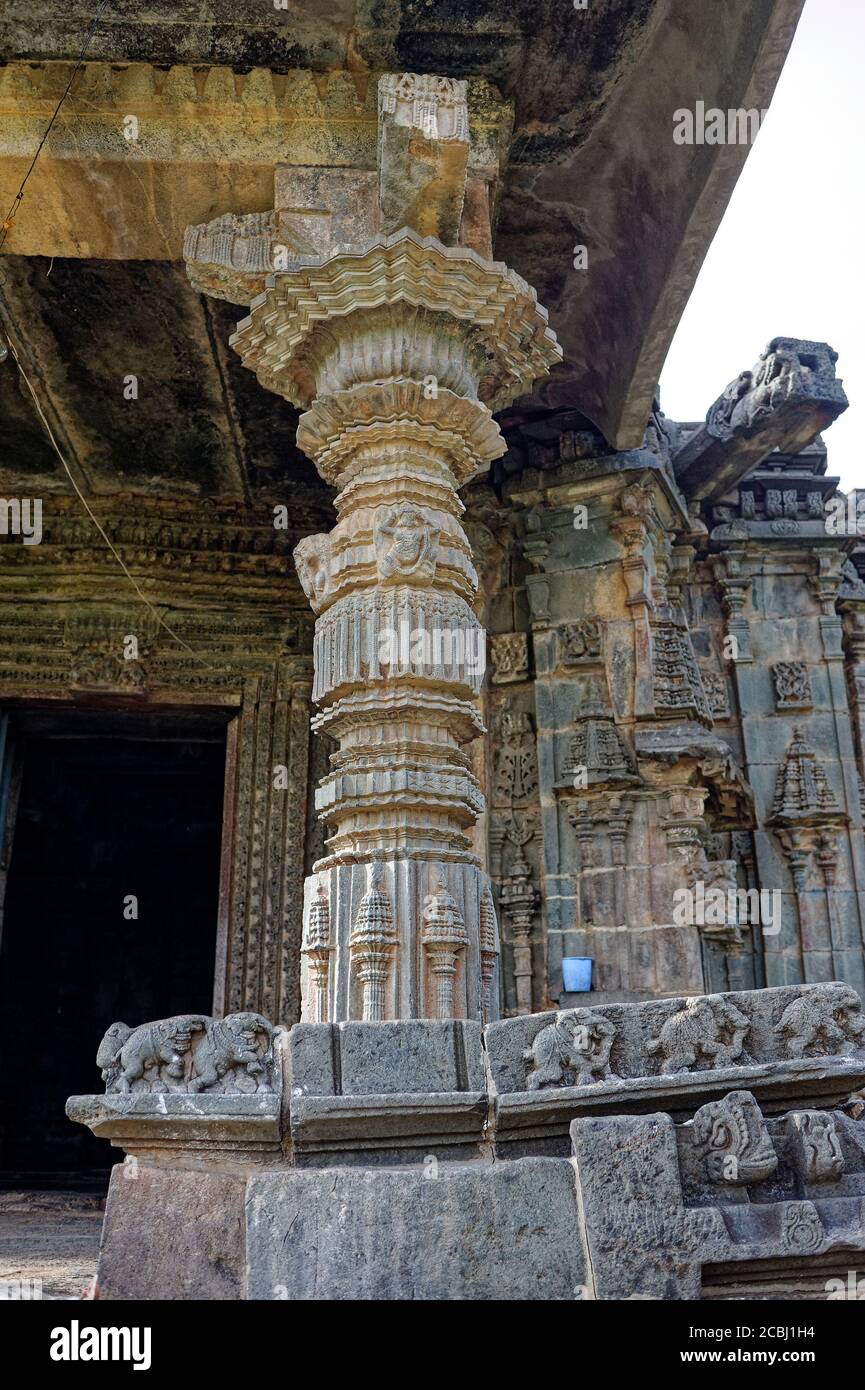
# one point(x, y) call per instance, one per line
point(406, 544)
point(827, 1020)
point(188, 1053)
point(789, 366)
point(708, 1028)
point(733, 1140)
point(579, 1041)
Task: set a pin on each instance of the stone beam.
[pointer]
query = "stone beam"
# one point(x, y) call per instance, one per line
point(138, 153)
point(782, 403)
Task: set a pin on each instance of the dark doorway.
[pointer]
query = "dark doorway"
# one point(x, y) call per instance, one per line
point(108, 825)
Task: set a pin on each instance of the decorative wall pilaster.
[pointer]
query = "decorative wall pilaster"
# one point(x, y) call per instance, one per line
point(259, 962)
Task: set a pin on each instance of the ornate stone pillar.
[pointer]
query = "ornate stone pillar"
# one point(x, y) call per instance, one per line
point(398, 348)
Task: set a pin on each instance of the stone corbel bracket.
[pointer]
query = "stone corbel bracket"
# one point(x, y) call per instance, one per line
point(441, 146)
point(783, 403)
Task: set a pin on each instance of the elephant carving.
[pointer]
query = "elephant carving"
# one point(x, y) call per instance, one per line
point(126, 1053)
point(827, 1019)
point(579, 1039)
point(707, 1026)
point(189, 1053)
point(232, 1042)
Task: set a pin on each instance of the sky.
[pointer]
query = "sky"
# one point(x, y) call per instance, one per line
point(788, 256)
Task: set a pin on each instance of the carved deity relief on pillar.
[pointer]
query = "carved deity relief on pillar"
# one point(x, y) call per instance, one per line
point(398, 347)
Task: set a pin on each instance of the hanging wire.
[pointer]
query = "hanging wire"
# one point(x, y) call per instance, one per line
point(16, 202)
point(97, 523)
point(9, 346)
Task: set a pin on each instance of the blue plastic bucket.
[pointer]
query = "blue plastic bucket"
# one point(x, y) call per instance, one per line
point(577, 971)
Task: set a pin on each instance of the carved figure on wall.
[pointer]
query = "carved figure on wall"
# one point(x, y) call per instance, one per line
point(509, 655)
point(815, 1145)
point(792, 685)
point(580, 641)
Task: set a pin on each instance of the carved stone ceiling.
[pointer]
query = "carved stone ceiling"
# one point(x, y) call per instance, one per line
point(200, 425)
point(589, 160)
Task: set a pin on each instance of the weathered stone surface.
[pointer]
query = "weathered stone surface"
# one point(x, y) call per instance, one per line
point(506, 1231)
point(220, 1131)
point(421, 1055)
point(172, 1235)
point(384, 1085)
point(676, 629)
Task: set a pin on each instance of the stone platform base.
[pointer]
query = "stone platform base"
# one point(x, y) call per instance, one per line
point(713, 1147)
point(474, 1231)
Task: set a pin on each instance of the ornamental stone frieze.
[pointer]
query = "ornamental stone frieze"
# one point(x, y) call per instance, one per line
point(398, 348)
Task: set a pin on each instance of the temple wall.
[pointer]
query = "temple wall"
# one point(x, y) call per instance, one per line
point(708, 675)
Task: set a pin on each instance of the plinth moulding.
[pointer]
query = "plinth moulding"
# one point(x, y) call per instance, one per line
point(398, 348)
